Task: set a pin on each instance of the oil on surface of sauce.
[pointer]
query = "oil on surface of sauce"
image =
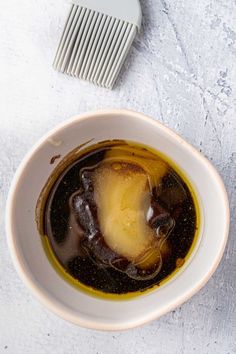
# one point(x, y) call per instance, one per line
point(117, 219)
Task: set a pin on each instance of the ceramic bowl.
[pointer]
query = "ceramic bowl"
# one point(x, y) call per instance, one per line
point(25, 244)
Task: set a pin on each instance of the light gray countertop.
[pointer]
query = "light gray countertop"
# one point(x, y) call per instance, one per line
point(182, 71)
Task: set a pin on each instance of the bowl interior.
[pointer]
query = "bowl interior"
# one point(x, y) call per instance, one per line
point(25, 243)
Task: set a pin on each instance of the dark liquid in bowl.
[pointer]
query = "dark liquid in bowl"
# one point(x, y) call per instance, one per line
point(119, 219)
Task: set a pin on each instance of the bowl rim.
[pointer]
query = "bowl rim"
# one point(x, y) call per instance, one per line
point(56, 307)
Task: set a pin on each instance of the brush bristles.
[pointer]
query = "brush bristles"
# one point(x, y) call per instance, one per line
point(94, 46)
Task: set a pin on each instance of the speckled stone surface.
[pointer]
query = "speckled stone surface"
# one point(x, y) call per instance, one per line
point(182, 71)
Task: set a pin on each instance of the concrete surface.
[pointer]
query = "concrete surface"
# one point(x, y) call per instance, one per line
point(181, 70)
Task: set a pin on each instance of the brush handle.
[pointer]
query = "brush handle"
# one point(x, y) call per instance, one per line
point(126, 10)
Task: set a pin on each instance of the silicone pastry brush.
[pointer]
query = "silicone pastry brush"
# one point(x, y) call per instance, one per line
point(96, 39)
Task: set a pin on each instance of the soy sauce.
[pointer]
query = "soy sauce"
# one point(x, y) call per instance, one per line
point(65, 226)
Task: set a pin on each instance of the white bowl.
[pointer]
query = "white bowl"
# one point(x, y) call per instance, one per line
point(25, 244)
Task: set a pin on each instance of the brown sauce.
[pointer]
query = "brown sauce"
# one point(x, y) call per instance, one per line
point(119, 219)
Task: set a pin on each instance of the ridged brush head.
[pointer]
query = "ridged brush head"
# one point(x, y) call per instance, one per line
point(94, 45)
